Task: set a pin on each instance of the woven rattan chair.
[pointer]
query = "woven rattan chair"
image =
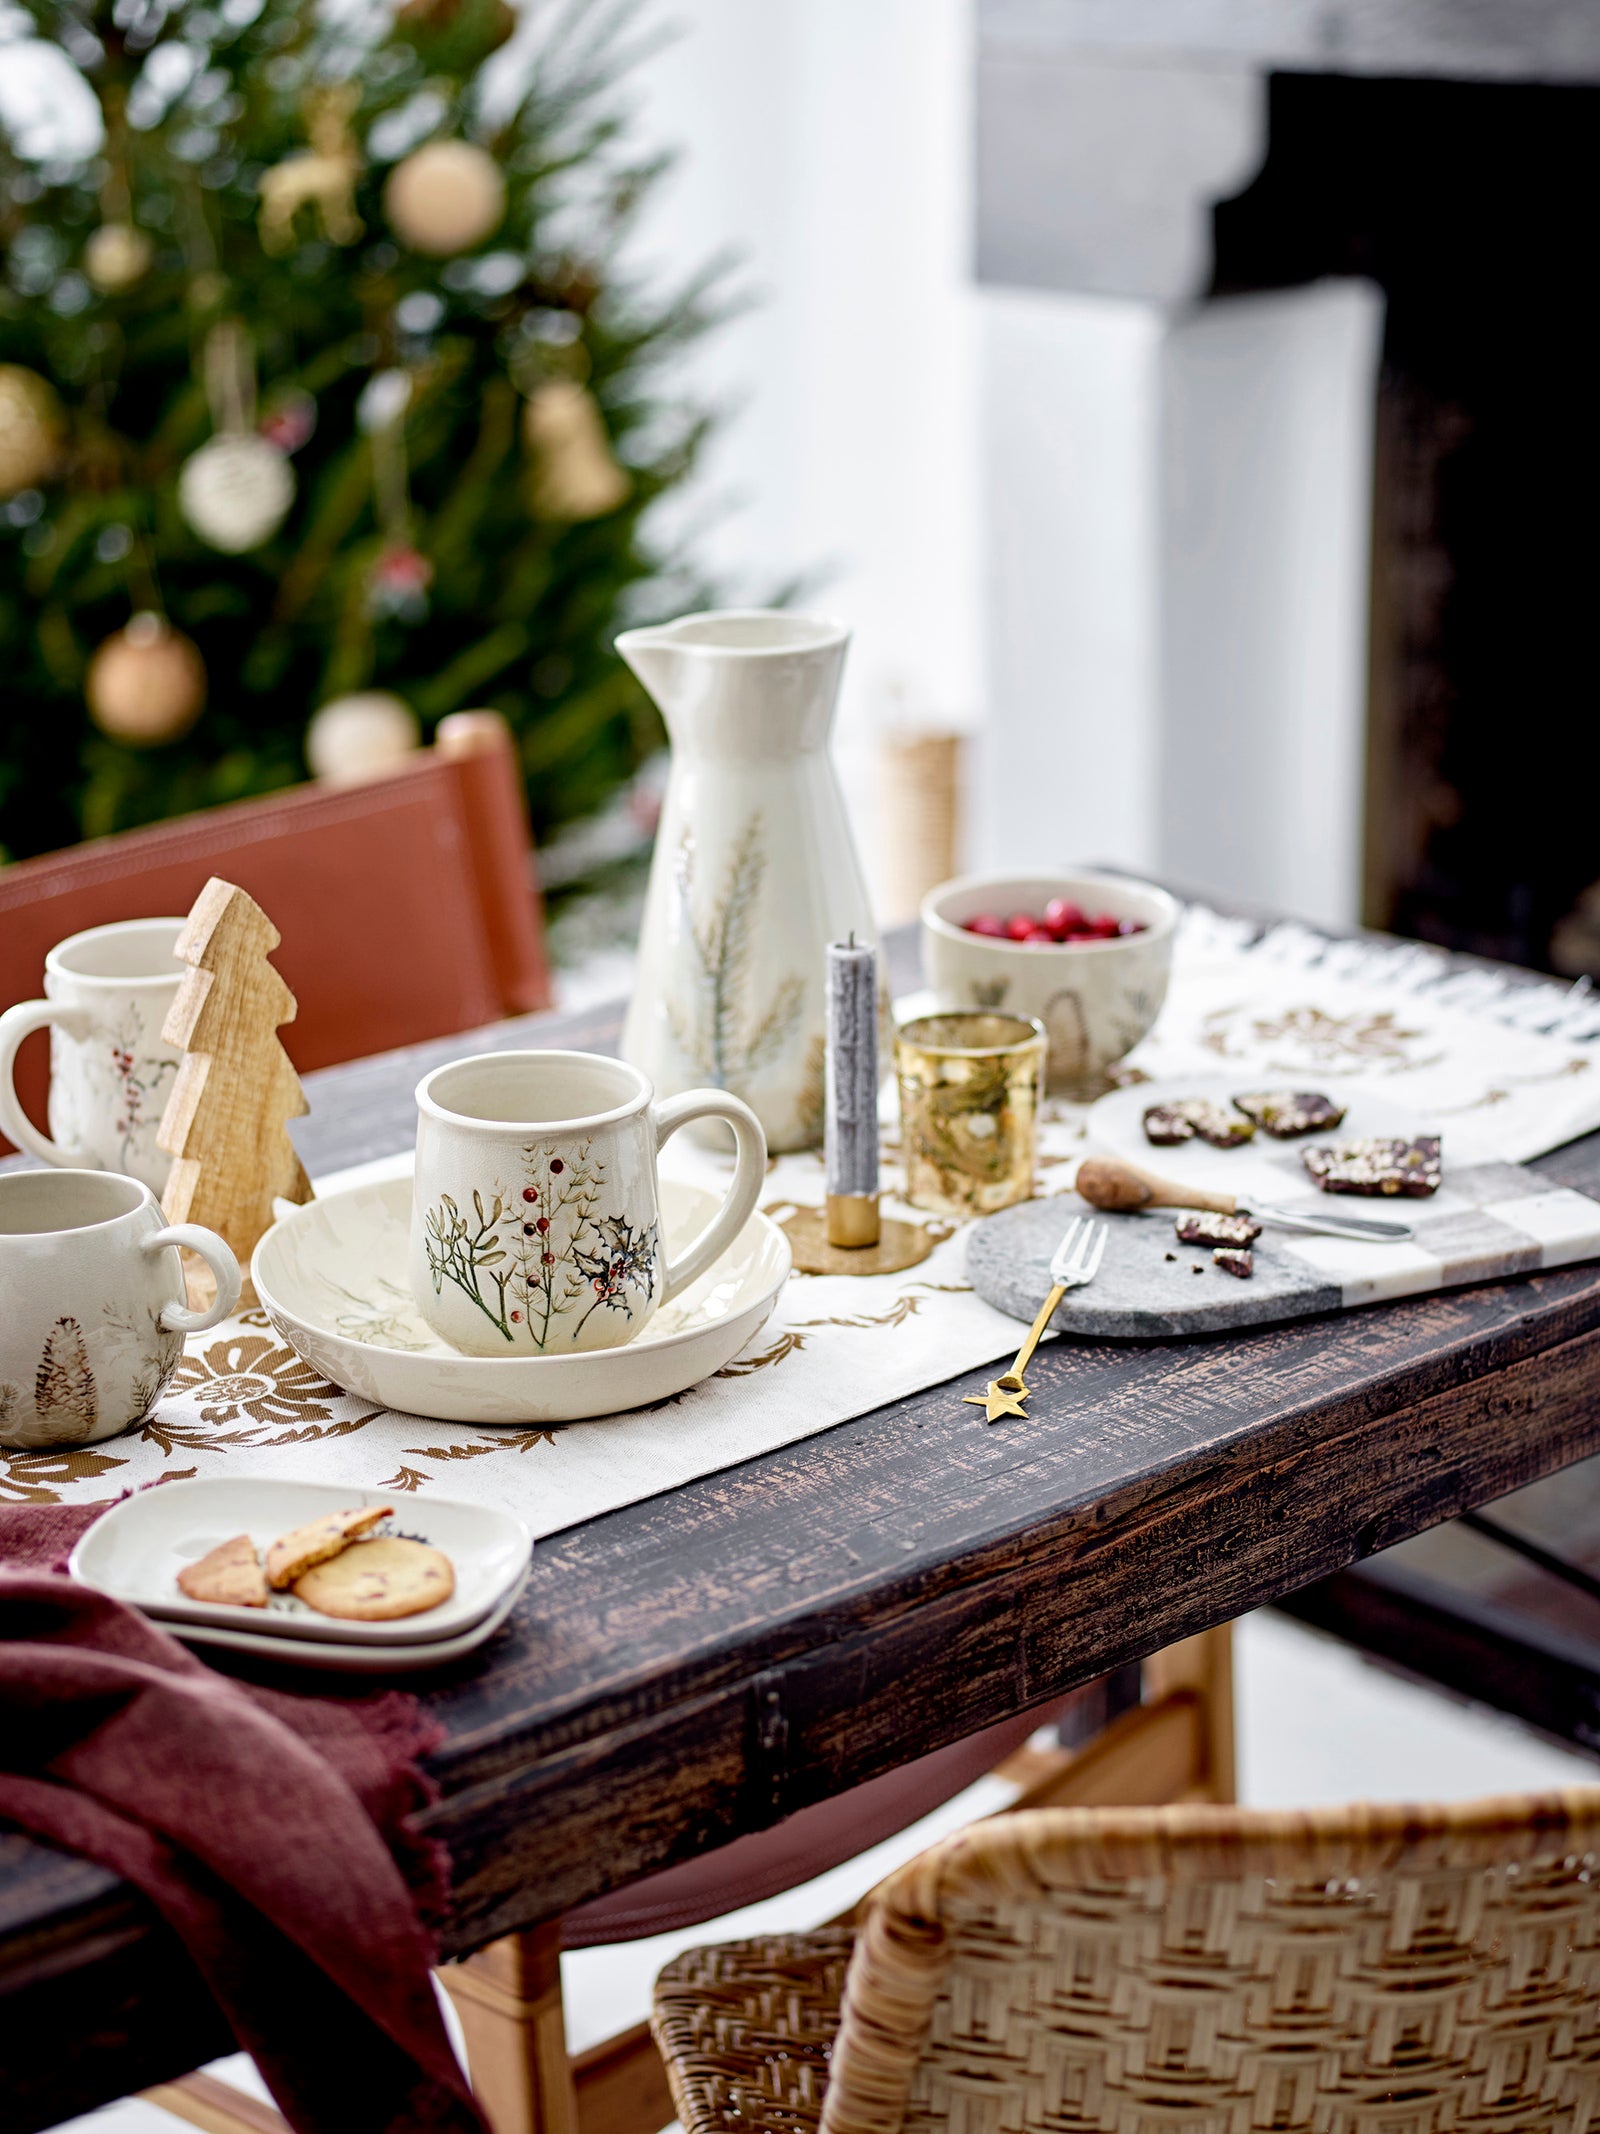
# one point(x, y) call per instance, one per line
point(1365, 1970)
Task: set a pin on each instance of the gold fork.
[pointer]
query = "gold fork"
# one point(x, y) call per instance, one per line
point(1076, 1260)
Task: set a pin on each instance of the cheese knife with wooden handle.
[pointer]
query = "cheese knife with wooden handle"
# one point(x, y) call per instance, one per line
point(1124, 1189)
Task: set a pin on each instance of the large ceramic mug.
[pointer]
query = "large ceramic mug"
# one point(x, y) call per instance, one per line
point(107, 994)
point(94, 1315)
point(536, 1222)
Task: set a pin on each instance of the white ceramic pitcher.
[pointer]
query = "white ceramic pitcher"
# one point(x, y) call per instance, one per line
point(754, 870)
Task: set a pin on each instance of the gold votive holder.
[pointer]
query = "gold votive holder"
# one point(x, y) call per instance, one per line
point(970, 1088)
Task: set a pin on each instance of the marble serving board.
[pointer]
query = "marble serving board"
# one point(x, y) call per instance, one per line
point(1487, 1220)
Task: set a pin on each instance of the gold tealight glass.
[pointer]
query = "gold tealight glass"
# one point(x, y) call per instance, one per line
point(970, 1087)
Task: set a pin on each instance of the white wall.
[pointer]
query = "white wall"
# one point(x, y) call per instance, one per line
point(828, 139)
point(1266, 412)
point(1178, 508)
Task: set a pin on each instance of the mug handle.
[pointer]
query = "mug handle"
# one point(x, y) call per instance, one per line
point(16, 1024)
point(218, 1256)
point(749, 1169)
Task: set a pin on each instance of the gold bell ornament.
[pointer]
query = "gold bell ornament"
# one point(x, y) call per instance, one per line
point(32, 429)
point(235, 491)
point(363, 735)
point(574, 474)
point(146, 684)
point(445, 197)
point(322, 176)
point(116, 257)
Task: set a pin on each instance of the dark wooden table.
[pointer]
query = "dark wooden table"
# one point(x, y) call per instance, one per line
point(699, 1665)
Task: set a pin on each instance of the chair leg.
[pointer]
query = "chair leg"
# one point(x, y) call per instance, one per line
point(205, 2101)
point(508, 1997)
point(1203, 1666)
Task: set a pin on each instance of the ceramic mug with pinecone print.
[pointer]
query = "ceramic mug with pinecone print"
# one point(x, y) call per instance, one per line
point(536, 1214)
point(95, 1310)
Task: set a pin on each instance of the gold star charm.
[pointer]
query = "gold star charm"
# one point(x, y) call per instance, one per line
point(998, 1398)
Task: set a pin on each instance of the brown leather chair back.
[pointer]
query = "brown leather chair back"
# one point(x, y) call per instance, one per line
point(407, 905)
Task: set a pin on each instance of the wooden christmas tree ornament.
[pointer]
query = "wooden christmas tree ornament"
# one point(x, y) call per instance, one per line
point(225, 1124)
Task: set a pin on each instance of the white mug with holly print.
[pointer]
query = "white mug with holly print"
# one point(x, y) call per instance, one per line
point(536, 1214)
point(108, 992)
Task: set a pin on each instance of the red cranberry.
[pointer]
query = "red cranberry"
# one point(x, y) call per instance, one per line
point(988, 923)
point(1020, 925)
point(542, 1225)
point(548, 1258)
point(1063, 917)
point(1103, 928)
point(1043, 933)
point(530, 1192)
point(516, 1318)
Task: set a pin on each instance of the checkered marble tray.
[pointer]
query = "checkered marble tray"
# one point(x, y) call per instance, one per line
point(1488, 1219)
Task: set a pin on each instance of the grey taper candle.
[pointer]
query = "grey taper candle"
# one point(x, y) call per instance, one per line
point(850, 1133)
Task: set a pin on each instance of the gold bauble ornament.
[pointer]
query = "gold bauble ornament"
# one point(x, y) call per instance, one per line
point(236, 491)
point(116, 256)
point(446, 197)
point(574, 474)
point(364, 735)
point(146, 684)
point(32, 429)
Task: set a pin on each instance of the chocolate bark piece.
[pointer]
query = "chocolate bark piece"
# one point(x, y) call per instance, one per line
point(1165, 1125)
point(1234, 1259)
point(1196, 1228)
point(1382, 1166)
point(1284, 1113)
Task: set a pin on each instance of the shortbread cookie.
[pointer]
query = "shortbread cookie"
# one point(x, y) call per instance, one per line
point(1234, 1259)
point(231, 1573)
point(1196, 1228)
point(1383, 1165)
point(314, 1543)
point(1287, 1113)
point(1165, 1125)
point(374, 1581)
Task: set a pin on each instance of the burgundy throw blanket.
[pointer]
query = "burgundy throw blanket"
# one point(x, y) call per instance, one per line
point(268, 1829)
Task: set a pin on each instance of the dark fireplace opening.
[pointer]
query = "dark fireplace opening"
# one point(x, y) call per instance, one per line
point(1473, 206)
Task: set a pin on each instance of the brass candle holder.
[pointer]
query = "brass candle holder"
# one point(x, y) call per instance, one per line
point(970, 1089)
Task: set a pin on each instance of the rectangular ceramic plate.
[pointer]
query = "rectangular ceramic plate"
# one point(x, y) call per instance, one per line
point(137, 1549)
point(329, 1658)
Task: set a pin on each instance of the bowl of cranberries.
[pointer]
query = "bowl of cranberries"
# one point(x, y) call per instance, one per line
point(1088, 954)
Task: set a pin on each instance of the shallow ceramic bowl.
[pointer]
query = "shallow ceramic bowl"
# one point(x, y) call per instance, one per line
point(332, 1279)
point(1096, 999)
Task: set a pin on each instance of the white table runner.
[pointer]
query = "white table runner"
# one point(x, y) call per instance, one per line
point(1517, 1066)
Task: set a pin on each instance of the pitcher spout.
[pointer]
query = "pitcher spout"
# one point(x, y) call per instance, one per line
point(765, 678)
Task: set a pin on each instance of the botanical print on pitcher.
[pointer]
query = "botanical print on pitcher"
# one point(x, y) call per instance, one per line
point(536, 1258)
point(728, 1030)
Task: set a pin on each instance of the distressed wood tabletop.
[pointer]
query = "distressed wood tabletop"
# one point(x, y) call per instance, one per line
point(701, 1664)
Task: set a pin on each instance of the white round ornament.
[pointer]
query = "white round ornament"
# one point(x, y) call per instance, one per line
point(236, 491)
point(146, 684)
point(360, 736)
point(116, 256)
point(446, 197)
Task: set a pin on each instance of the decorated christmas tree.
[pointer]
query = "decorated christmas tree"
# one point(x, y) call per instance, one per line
point(325, 406)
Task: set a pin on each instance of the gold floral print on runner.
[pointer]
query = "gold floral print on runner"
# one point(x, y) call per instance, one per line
point(39, 1477)
point(1347, 1044)
point(254, 1377)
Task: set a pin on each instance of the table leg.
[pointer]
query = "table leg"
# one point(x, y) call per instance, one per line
point(508, 1997)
